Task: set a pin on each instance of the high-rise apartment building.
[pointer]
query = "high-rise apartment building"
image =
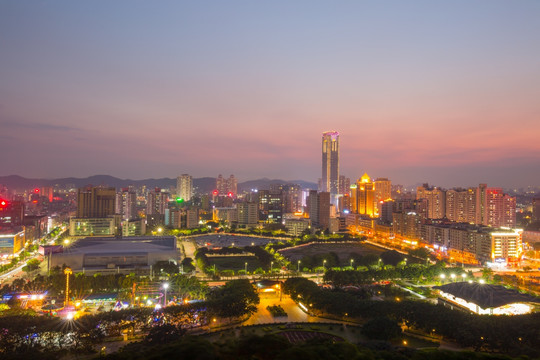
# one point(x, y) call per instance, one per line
point(501, 208)
point(226, 186)
point(330, 164)
point(184, 187)
point(344, 185)
point(95, 202)
point(436, 200)
point(383, 189)
point(126, 203)
point(157, 201)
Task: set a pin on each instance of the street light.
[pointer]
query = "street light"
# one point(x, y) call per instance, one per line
point(246, 267)
point(453, 276)
point(165, 286)
point(463, 276)
point(352, 260)
point(271, 266)
point(298, 268)
point(323, 264)
point(442, 277)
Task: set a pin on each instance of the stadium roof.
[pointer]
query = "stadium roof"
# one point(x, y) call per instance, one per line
point(485, 295)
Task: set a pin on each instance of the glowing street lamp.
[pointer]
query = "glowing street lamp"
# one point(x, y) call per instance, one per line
point(298, 268)
point(323, 264)
point(464, 276)
point(271, 266)
point(442, 277)
point(352, 260)
point(165, 286)
point(246, 267)
point(68, 272)
point(453, 276)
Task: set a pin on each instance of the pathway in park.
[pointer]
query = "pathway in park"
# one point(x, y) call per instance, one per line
point(294, 312)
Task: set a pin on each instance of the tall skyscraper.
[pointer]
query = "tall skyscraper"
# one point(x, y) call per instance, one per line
point(330, 164)
point(184, 187)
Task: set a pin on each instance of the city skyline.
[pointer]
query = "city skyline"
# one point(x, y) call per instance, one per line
point(419, 92)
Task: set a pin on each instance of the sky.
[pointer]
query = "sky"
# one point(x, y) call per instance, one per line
point(445, 92)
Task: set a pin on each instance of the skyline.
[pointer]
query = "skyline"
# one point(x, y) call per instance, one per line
point(419, 92)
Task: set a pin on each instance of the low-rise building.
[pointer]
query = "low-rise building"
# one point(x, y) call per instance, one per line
point(111, 255)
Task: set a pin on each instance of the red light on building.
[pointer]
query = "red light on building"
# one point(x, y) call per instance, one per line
point(3, 203)
point(35, 201)
point(230, 194)
point(36, 190)
point(215, 192)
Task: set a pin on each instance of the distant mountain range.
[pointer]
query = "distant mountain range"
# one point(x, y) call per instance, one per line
point(205, 184)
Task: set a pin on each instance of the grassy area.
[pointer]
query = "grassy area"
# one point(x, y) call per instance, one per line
point(349, 332)
point(343, 251)
point(235, 262)
point(415, 342)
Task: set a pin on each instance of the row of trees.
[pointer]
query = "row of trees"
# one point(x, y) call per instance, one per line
point(414, 272)
point(270, 347)
point(82, 285)
point(507, 334)
point(21, 336)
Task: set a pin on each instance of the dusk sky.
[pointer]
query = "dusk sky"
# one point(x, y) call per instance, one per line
point(420, 91)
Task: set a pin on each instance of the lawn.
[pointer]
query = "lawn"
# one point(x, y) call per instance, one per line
point(343, 250)
point(235, 262)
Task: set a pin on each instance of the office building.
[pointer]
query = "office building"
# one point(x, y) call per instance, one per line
point(96, 202)
point(365, 196)
point(318, 208)
point(248, 214)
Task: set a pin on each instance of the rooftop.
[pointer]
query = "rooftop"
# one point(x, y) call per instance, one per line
point(485, 295)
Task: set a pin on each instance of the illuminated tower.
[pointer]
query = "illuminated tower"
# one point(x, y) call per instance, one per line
point(330, 164)
point(365, 196)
